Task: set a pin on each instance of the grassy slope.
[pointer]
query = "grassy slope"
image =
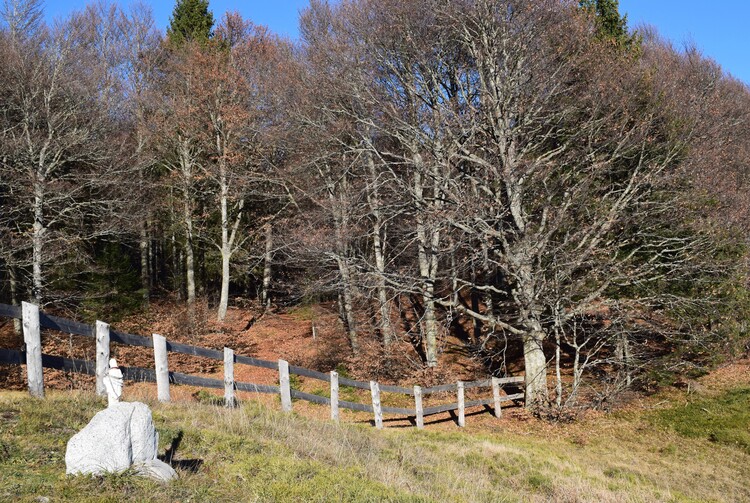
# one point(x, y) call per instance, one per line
point(253, 454)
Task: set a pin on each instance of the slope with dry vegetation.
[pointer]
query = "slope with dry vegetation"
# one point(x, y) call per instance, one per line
point(679, 446)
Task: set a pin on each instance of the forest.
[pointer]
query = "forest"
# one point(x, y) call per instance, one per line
point(534, 177)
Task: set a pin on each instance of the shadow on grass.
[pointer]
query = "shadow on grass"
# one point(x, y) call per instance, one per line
point(190, 465)
point(435, 419)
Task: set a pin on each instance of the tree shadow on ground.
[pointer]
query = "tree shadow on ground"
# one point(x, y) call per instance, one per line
point(189, 465)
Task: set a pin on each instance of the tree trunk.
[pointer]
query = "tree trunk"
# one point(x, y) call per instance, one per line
point(622, 353)
point(533, 339)
point(224, 300)
point(430, 327)
point(226, 250)
point(558, 374)
point(346, 300)
point(340, 220)
point(386, 328)
point(428, 241)
point(14, 297)
point(189, 259)
point(145, 276)
point(186, 167)
point(536, 369)
point(227, 242)
point(373, 198)
point(267, 262)
point(176, 268)
point(37, 241)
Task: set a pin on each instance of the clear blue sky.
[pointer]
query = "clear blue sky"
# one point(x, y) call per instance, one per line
point(720, 28)
point(280, 15)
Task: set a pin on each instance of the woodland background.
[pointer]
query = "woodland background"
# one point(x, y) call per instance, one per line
point(534, 178)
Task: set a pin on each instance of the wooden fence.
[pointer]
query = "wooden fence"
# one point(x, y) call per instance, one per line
point(34, 320)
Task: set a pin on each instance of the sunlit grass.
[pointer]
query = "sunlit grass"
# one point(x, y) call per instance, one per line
point(723, 419)
point(255, 454)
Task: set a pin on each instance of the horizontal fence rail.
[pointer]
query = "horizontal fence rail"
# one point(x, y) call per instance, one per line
point(31, 356)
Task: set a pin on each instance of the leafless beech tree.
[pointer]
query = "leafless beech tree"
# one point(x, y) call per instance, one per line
point(517, 141)
point(56, 162)
point(246, 116)
point(183, 142)
point(143, 53)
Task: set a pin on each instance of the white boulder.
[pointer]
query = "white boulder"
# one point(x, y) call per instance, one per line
point(115, 439)
point(155, 469)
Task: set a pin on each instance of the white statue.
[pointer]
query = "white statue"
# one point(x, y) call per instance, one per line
point(113, 383)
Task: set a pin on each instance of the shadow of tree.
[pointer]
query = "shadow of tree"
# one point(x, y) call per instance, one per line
point(190, 465)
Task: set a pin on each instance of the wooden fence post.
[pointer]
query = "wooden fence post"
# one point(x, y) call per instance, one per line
point(32, 338)
point(461, 411)
point(496, 396)
point(102, 356)
point(335, 395)
point(229, 400)
point(418, 407)
point(376, 407)
point(162, 367)
point(284, 386)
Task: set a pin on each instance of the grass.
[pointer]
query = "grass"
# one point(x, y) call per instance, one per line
point(724, 419)
point(256, 454)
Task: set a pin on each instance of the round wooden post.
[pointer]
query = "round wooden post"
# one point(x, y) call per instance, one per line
point(32, 338)
point(285, 388)
point(229, 399)
point(376, 407)
point(335, 395)
point(461, 411)
point(102, 356)
point(162, 367)
point(496, 396)
point(418, 407)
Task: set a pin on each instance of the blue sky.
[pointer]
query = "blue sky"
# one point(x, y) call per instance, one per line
point(720, 28)
point(279, 15)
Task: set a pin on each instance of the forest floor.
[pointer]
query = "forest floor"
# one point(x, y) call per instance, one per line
point(686, 444)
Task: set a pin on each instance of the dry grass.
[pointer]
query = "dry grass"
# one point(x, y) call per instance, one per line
point(256, 454)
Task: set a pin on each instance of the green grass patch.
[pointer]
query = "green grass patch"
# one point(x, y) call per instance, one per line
point(724, 419)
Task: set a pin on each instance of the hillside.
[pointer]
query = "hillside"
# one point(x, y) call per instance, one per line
point(250, 331)
point(678, 446)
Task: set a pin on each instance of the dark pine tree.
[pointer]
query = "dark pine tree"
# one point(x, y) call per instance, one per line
point(191, 20)
point(610, 25)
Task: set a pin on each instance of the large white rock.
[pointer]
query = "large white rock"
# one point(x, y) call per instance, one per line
point(155, 469)
point(116, 438)
point(144, 440)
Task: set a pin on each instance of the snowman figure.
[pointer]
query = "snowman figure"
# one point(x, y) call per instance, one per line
point(113, 383)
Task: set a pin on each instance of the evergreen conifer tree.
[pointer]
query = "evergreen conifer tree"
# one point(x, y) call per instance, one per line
point(609, 24)
point(191, 20)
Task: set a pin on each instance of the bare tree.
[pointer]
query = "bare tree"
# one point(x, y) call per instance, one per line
point(520, 141)
point(142, 56)
point(56, 161)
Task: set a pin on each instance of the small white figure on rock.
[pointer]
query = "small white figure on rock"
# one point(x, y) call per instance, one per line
point(117, 438)
point(113, 383)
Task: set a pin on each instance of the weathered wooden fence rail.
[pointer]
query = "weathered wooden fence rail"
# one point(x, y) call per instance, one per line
point(34, 320)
